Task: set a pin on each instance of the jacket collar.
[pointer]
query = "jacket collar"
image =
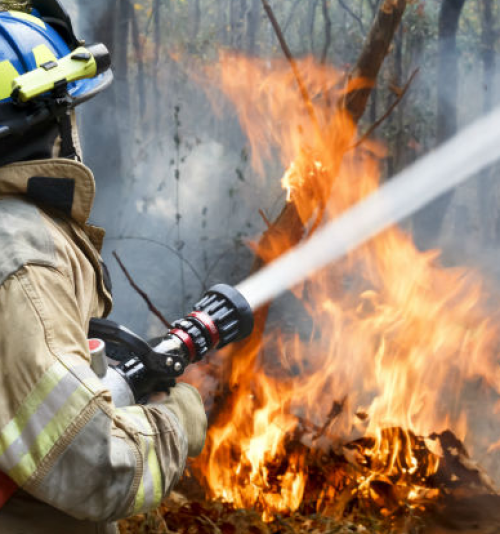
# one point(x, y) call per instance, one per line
point(58, 183)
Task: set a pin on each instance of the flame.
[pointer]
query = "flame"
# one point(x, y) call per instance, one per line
point(385, 340)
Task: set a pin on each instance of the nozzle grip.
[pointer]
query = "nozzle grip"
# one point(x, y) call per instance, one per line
point(230, 312)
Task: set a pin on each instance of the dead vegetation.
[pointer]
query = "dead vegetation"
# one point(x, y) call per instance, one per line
point(458, 497)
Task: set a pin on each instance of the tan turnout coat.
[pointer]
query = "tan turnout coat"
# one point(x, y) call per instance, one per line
point(81, 462)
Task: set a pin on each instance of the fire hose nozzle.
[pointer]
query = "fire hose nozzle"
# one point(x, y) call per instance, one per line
point(222, 316)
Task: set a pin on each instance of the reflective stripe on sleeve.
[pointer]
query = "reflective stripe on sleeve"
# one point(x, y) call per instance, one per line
point(50, 409)
point(150, 492)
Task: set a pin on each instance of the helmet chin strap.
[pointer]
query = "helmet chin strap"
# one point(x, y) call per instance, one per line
point(68, 149)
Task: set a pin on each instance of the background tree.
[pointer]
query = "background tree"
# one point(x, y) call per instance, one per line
point(163, 140)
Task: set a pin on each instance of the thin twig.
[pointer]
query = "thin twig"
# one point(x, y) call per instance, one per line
point(267, 222)
point(290, 16)
point(357, 18)
point(152, 308)
point(293, 63)
point(387, 114)
point(163, 245)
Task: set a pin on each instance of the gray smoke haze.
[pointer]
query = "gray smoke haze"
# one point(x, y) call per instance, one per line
point(176, 191)
point(217, 208)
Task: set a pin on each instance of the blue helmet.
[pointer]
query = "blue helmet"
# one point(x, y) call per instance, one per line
point(28, 42)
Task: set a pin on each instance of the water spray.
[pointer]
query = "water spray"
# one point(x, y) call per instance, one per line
point(470, 151)
point(225, 314)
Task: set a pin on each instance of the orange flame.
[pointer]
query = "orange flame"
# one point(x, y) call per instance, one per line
point(385, 339)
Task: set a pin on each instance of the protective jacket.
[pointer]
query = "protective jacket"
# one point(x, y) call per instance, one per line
point(80, 462)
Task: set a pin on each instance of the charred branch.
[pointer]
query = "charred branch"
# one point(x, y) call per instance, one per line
point(289, 227)
point(288, 224)
point(373, 54)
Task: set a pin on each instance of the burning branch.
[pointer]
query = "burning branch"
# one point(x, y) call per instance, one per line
point(290, 226)
point(288, 223)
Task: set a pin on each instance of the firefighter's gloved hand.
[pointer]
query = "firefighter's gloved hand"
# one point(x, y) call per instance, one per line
point(186, 404)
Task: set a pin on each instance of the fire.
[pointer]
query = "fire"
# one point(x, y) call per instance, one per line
point(384, 342)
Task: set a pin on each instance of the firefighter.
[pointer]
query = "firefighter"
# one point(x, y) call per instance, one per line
point(70, 460)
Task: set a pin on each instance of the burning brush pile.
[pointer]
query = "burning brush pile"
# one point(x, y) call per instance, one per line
point(349, 408)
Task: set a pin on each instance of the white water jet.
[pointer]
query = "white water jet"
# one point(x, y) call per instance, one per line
point(470, 151)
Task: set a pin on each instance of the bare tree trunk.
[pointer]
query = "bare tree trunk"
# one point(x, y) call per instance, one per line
point(222, 21)
point(237, 16)
point(374, 96)
point(121, 52)
point(486, 185)
point(233, 21)
point(140, 64)
point(447, 81)
point(398, 79)
point(488, 53)
point(325, 4)
point(429, 221)
point(253, 19)
point(311, 19)
point(157, 41)
point(195, 19)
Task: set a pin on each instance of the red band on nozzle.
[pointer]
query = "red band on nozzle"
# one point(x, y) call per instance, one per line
point(186, 339)
point(207, 322)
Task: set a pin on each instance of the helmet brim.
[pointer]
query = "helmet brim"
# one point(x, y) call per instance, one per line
point(86, 89)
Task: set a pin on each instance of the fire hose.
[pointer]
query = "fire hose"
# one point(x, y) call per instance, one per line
point(132, 368)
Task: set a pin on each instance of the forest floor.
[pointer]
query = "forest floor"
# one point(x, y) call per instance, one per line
point(177, 515)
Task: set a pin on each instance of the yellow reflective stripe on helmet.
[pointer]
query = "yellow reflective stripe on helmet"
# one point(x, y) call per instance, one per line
point(150, 492)
point(29, 18)
point(56, 401)
point(8, 74)
point(43, 55)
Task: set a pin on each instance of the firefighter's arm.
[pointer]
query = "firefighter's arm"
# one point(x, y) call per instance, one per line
point(61, 437)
